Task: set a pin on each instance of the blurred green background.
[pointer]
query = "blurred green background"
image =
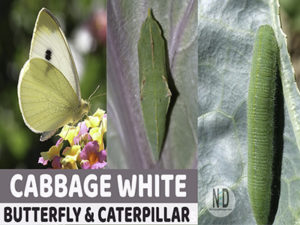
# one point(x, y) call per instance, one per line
point(290, 20)
point(84, 24)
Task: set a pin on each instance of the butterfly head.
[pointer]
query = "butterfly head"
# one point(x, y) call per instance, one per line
point(85, 107)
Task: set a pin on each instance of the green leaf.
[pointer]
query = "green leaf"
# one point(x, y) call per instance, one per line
point(226, 37)
point(154, 89)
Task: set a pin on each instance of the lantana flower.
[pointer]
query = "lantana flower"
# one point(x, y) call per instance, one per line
point(81, 146)
point(91, 157)
point(53, 152)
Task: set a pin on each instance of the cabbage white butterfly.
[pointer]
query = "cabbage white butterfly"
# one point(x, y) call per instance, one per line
point(48, 87)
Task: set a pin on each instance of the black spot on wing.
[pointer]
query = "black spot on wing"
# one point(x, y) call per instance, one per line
point(48, 54)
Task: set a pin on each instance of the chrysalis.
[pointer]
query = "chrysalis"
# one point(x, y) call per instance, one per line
point(154, 90)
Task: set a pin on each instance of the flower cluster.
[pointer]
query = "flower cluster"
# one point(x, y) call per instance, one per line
point(85, 146)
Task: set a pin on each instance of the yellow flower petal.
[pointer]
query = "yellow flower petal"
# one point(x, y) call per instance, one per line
point(104, 125)
point(97, 135)
point(94, 121)
point(68, 133)
point(71, 157)
point(72, 151)
point(52, 152)
point(99, 113)
point(68, 163)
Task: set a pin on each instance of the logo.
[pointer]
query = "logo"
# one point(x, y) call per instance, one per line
point(220, 201)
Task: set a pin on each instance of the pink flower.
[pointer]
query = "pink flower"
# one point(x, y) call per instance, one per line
point(43, 161)
point(59, 141)
point(91, 157)
point(56, 163)
point(83, 134)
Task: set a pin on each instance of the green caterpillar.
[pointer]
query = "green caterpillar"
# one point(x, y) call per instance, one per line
point(265, 139)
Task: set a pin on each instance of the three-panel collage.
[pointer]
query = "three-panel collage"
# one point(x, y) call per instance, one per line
point(194, 99)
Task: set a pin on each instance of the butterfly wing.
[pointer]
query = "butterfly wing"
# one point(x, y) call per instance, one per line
point(47, 135)
point(49, 43)
point(46, 98)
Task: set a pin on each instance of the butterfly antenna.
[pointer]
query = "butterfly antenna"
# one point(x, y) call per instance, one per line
point(93, 93)
point(95, 96)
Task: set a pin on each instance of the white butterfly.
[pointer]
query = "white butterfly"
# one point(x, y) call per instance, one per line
point(48, 87)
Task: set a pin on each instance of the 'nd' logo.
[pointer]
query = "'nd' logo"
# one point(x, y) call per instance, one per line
point(220, 201)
